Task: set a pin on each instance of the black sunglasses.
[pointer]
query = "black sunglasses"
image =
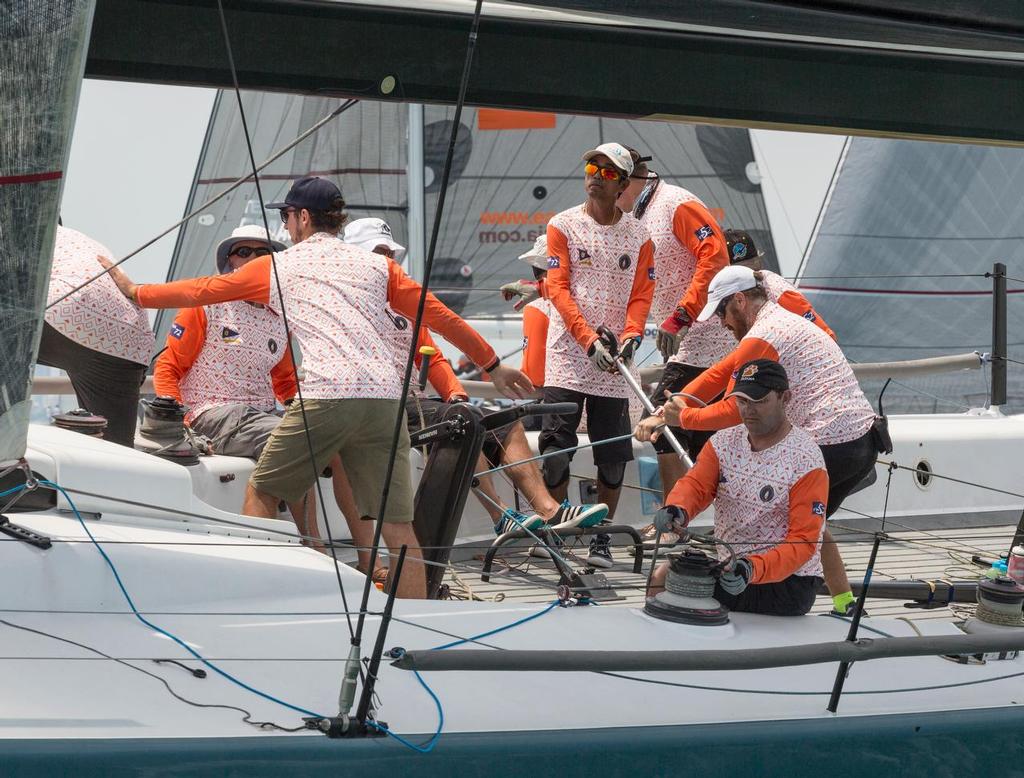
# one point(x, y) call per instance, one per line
point(284, 214)
point(720, 310)
point(248, 251)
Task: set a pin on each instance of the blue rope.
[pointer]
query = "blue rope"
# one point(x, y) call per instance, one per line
point(421, 748)
point(151, 625)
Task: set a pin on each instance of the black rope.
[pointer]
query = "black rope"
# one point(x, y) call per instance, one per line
point(284, 318)
point(246, 715)
point(428, 267)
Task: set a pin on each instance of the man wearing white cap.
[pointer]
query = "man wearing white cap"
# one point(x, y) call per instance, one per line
point(372, 233)
point(103, 341)
point(827, 401)
point(600, 272)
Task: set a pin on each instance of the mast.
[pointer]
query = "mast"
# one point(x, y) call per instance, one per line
point(416, 217)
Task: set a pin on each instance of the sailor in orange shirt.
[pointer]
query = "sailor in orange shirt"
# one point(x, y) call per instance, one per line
point(334, 296)
point(504, 445)
point(689, 248)
point(537, 314)
point(600, 272)
point(827, 400)
point(768, 482)
point(742, 251)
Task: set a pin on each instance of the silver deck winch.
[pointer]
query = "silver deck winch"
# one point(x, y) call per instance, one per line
point(689, 592)
point(163, 431)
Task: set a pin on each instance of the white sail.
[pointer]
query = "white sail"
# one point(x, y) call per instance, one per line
point(42, 57)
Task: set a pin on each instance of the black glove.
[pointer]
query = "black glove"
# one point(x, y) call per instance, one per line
point(669, 517)
point(628, 349)
point(735, 581)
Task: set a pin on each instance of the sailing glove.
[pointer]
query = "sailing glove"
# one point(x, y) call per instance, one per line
point(528, 291)
point(670, 518)
point(735, 581)
point(600, 356)
point(671, 332)
point(628, 350)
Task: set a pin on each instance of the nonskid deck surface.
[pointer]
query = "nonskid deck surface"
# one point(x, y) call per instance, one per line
point(908, 554)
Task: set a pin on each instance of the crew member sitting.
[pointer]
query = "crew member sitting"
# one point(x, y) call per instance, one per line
point(768, 482)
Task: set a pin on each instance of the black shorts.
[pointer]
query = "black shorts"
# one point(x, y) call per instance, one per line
point(847, 465)
point(675, 377)
point(433, 409)
point(793, 596)
point(607, 417)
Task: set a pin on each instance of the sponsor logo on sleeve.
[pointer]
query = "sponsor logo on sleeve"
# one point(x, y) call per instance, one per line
point(553, 263)
point(810, 316)
point(650, 273)
point(177, 331)
point(818, 508)
point(704, 232)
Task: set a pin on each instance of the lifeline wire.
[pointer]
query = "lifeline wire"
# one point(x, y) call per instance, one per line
point(287, 329)
point(400, 420)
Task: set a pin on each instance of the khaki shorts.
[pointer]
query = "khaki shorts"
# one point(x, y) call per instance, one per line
point(360, 431)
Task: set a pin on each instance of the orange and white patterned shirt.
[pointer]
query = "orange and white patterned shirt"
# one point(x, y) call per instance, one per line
point(827, 400)
point(224, 354)
point(779, 290)
point(536, 318)
point(97, 316)
point(439, 373)
point(334, 295)
point(597, 275)
point(688, 251)
point(769, 505)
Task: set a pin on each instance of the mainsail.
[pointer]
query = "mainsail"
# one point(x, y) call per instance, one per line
point(42, 57)
point(511, 172)
point(897, 261)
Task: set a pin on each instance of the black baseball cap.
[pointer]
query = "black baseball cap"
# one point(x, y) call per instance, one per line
point(312, 193)
point(758, 377)
point(740, 246)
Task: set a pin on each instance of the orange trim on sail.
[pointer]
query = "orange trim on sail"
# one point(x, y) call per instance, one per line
point(502, 119)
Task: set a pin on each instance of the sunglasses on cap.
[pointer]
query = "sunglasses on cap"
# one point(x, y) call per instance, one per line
point(720, 310)
point(248, 251)
point(607, 173)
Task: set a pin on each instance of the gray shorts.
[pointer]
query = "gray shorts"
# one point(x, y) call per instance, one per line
point(237, 430)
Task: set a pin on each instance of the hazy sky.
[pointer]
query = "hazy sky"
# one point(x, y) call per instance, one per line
point(135, 148)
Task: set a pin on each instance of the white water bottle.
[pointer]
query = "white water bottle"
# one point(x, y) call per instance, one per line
point(1015, 564)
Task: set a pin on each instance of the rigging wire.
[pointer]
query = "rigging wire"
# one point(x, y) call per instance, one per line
point(284, 318)
point(400, 416)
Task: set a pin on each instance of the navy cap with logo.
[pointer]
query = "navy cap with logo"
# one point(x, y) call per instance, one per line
point(312, 193)
point(755, 379)
point(740, 246)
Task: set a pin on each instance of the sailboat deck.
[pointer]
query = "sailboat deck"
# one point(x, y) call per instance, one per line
point(908, 554)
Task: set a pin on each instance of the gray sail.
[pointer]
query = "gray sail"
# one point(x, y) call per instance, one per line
point(934, 213)
point(511, 172)
point(42, 57)
point(363, 149)
point(514, 170)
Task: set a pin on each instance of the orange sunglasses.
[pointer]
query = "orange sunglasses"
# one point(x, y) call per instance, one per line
point(607, 173)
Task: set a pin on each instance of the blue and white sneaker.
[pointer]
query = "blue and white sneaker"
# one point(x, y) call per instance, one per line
point(553, 541)
point(569, 515)
point(513, 520)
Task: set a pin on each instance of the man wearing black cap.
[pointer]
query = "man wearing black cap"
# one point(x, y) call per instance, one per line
point(768, 482)
point(335, 297)
point(743, 252)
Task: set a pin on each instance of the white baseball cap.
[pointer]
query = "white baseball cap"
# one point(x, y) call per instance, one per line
point(728, 281)
point(617, 153)
point(538, 255)
point(370, 233)
point(246, 232)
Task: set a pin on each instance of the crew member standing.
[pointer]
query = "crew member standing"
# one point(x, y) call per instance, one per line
point(689, 249)
point(335, 296)
point(827, 400)
point(103, 341)
point(600, 272)
point(768, 482)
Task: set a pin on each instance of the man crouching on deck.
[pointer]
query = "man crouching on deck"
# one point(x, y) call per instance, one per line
point(769, 485)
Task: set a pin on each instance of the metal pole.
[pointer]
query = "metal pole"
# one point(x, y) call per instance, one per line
point(416, 217)
point(649, 406)
point(998, 335)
